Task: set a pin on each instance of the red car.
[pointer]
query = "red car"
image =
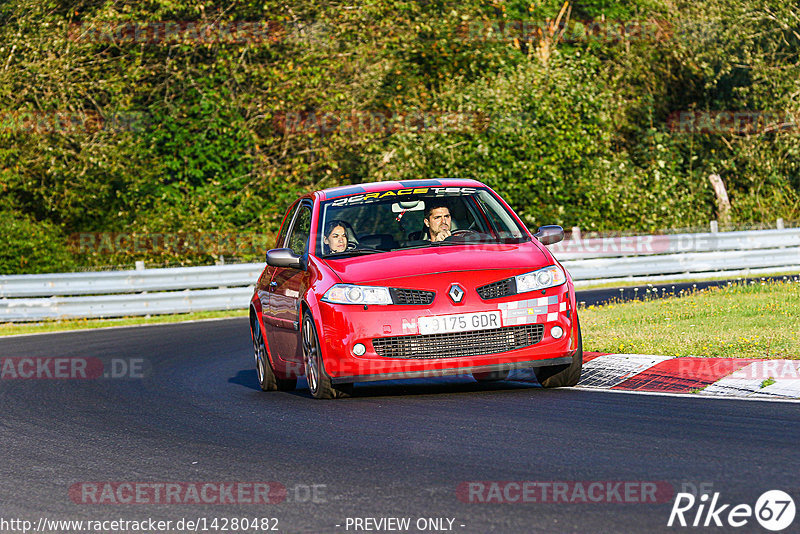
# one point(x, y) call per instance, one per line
point(411, 279)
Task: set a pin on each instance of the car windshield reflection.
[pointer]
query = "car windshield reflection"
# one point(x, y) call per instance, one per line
point(404, 219)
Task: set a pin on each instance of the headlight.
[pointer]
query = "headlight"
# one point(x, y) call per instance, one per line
point(350, 294)
point(543, 278)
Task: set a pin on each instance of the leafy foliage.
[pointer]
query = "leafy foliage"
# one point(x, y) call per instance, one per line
point(31, 246)
point(108, 131)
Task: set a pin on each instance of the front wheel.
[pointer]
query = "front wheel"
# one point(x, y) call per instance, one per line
point(559, 376)
point(319, 384)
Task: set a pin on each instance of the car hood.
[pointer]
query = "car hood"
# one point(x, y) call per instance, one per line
point(442, 259)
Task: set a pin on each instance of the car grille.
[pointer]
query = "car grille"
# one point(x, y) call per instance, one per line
point(495, 290)
point(411, 296)
point(454, 345)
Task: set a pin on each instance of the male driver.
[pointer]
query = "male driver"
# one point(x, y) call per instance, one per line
point(437, 222)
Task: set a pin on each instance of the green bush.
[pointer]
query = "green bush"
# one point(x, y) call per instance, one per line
point(31, 246)
point(572, 133)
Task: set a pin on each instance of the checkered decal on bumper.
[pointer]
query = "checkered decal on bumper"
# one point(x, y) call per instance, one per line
point(538, 310)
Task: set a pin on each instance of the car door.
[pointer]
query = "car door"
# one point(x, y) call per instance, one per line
point(285, 291)
point(263, 286)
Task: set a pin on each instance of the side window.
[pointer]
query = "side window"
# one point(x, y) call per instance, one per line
point(287, 222)
point(298, 237)
point(501, 221)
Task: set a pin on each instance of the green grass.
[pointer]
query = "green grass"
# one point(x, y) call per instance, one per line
point(9, 329)
point(768, 382)
point(756, 320)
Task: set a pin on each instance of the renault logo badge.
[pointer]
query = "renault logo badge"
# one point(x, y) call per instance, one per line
point(456, 293)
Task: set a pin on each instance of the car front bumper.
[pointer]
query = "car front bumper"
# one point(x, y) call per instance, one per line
point(524, 339)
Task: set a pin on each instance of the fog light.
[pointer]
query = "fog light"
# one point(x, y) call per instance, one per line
point(359, 349)
point(556, 332)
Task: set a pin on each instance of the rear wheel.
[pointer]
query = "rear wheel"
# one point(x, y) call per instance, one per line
point(266, 377)
point(319, 384)
point(559, 376)
point(490, 376)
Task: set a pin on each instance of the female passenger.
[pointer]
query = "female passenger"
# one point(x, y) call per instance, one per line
point(335, 237)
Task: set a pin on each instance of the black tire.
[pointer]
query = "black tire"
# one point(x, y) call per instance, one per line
point(490, 376)
point(266, 376)
point(560, 376)
point(319, 383)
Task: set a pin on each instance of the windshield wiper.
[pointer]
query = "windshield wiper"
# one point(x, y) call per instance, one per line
point(467, 241)
point(353, 252)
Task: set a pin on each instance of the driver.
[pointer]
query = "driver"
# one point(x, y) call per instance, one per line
point(335, 236)
point(437, 221)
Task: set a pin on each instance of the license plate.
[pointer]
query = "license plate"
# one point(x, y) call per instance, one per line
point(462, 322)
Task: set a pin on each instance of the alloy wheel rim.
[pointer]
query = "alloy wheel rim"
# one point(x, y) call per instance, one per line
point(259, 355)
point(310, 351)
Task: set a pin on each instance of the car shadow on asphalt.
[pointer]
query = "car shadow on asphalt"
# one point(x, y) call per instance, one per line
point(433, 386)
point(520, 379)
point(247, 378)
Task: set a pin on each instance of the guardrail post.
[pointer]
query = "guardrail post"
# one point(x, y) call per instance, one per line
point(780, 223)
point(723, 204)
point(140, 266)
point(714, 227)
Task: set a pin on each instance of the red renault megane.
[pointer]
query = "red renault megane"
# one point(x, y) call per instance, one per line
point(411, 279)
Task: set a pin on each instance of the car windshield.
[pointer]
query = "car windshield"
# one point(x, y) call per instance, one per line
point(370, 223)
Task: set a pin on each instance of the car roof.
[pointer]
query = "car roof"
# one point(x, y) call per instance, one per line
point(355, 189)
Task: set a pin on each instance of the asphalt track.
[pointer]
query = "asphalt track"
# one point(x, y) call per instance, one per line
point(396, 449)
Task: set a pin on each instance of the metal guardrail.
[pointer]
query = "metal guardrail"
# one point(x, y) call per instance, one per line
point(126, 293)
point(101, 306)
point(228, 287)
point(100, 283)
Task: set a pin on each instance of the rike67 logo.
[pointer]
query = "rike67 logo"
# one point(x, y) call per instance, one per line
point(774, 510)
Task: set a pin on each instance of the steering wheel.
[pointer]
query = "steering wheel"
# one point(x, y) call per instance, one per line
point(461, 234)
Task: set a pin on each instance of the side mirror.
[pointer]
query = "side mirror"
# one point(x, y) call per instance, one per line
point(547, 235)
point(284, 257)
